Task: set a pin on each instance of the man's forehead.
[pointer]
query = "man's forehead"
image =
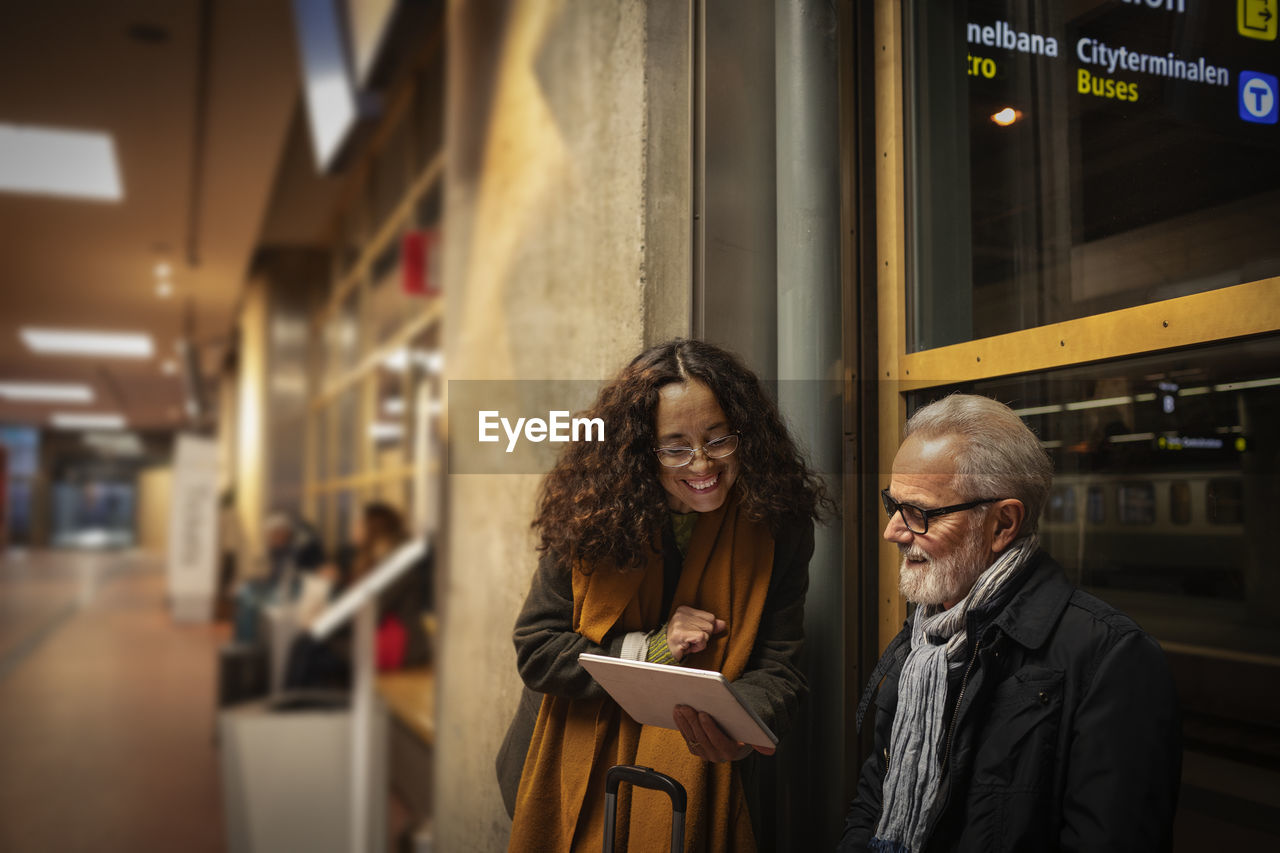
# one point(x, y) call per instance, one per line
point(924, 471)
point(927, 456)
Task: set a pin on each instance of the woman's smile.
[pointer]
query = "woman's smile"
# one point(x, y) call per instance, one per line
point(689, 416)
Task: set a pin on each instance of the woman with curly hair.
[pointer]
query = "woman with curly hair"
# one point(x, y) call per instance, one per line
point(683, 537)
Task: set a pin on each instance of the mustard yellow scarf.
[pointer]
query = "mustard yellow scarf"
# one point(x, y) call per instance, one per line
point(560, 805)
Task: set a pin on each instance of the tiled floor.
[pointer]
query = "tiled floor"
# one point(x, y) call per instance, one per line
point(106, 709)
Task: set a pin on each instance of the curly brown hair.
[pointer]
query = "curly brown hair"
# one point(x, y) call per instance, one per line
point(603, 503)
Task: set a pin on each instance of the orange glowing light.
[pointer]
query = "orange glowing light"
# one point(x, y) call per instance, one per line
point(1006, 116)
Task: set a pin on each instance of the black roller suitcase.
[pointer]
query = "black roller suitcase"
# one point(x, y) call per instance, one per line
point(645, 777)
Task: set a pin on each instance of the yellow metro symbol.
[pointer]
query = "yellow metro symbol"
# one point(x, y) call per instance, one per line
point(1257, 19)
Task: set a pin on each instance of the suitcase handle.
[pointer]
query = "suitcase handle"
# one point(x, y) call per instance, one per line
point(644, 777)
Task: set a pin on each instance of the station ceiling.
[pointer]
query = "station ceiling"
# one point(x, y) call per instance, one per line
point(201, 100)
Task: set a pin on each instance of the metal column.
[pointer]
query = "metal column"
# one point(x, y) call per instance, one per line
point(809, 371)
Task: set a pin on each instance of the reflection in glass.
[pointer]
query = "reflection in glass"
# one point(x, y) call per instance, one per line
point(1062, 505)
point(1180, 502)
point(346, 447)
point(1112, 186)
point(1181, 495)
point(1136, 503)
point(1225, 502)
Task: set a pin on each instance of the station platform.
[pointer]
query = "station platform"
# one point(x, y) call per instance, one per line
point(106, 708)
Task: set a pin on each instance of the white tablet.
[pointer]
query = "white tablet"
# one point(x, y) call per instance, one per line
point(649, 693)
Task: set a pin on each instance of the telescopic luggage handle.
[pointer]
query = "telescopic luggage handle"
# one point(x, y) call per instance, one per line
point(644, 777)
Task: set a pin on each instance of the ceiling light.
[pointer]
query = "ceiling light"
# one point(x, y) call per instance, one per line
point(164, 289)
point(1098, 404)
point(1247, 384)
point(168, 367)
point(1038, 410)
point(46, 392)
point(431, 361)
point(163, 270)
point(1006, 116)
point(77, 342)
point(1132, 436)
point(115, 443)
point(384, 431)
point(77, 164)
point(66, 420)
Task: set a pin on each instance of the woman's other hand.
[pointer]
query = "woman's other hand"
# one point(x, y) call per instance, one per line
point(707, 740)
point(689, 631)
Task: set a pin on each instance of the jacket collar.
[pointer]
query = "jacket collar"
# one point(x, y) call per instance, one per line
point(1033, 611)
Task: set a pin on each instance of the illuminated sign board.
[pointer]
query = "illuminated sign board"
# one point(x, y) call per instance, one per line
point(1184, 89)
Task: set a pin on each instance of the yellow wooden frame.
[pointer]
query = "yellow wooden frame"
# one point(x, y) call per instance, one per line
point(891, 258)
point(1215, 315)
point(1228, 313)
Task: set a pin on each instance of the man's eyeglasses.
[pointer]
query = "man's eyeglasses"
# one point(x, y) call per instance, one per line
point(717, 448)
point(917, 519)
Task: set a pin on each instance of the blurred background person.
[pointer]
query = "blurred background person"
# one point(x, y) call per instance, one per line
point(401, 636)
point(292, 546)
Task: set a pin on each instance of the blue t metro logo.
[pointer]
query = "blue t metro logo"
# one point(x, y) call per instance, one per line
point(1259, 97)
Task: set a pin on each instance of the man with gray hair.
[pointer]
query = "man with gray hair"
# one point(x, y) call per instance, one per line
point(1013, 711)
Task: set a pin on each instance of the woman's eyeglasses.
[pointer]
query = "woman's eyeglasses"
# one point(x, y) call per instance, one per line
point(917, 519)
point(717, 448)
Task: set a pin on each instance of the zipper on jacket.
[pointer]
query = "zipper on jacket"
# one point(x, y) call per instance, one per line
point(955, 713)
point(939, 808)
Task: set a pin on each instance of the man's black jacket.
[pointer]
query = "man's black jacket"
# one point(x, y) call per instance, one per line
point(1064, 736)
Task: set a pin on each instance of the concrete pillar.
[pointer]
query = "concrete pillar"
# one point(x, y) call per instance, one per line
point(566, 251)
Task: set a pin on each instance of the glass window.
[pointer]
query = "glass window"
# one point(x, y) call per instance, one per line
point(347, 416)
point(342, 337)
point(1075, 158)
point(23, 447)
point(387, 431)
point(429, 112)
point(351, 239)
point(390, 173)
point(1225, 502)
point(1180, 502)
point(423, 367)
point(427, 211)
point(320, 422)
point(1097, 505)
point(1192, 481)
point(344, 518)
point(1062, 505)
point(390, 305)
point(1136, 503)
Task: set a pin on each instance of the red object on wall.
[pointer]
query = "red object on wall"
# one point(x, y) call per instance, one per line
point(420, 262)
point(393, 642)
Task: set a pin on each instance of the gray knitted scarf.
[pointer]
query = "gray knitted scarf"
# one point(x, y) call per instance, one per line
point(938, 643)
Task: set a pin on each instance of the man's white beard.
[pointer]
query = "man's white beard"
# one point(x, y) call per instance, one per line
point(939, 580)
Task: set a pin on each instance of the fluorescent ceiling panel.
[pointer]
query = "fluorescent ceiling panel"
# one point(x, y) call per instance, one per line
point(46, 392)
point(71, 163)
point(115, 443)
point(67, 420)
point(385, 431)
point(82, 342)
